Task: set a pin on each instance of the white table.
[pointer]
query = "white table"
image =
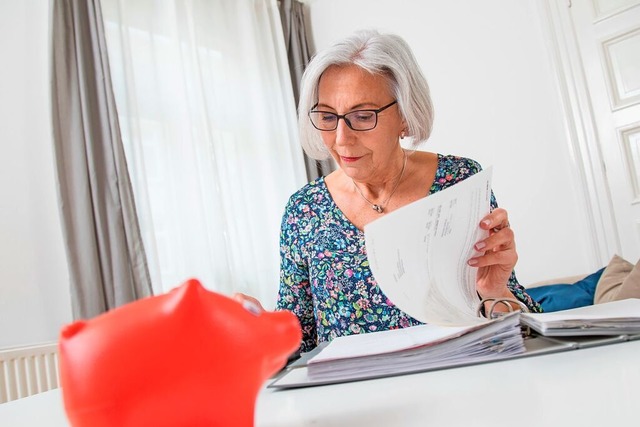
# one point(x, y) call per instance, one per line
point(589, 387)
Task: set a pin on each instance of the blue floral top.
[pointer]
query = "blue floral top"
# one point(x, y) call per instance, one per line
point(325, 279)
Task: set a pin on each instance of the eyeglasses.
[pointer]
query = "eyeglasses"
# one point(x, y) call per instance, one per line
point(356, 120)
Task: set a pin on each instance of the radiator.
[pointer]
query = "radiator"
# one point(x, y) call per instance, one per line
point(28, 370)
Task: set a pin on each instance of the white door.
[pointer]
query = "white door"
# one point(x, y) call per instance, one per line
point(600, 50)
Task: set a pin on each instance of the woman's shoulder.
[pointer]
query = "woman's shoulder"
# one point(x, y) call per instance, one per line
point(312, 193)
point(454, 163)
point(309, 189)
point(452, 169)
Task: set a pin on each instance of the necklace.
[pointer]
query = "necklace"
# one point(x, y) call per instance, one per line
point(380, 207)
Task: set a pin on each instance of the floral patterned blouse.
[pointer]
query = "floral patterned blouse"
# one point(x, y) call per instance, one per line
point(325, 279)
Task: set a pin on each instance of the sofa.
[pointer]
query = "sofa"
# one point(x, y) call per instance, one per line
point(619, 279)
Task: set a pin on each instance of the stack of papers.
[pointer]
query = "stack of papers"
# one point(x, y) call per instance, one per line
point(612, 318)
point(400, 351)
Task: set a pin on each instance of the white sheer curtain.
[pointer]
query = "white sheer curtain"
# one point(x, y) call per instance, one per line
point(208, 121)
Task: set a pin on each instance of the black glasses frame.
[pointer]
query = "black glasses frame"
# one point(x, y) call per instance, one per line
point(346, 120)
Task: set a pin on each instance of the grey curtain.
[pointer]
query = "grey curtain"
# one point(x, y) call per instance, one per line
point(107, 262)
point(295, 36)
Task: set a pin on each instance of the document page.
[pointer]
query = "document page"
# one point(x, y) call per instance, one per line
point(418, 254)
point(359, 345)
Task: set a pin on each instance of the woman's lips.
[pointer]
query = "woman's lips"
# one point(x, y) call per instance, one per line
point(349, 159)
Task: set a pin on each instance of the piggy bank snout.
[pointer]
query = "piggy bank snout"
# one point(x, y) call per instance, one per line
point(286, 331)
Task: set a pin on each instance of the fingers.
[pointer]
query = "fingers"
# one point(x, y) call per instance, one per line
point(496, 220)
point(499, 248)
point(240, 297)
point(249, 303)
point(498, 240)
point(503, 257)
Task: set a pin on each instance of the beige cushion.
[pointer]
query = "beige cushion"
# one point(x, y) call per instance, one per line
point(558, 280)
point(630, 287)
point(613, 276)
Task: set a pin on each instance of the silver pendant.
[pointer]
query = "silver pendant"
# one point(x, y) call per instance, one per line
point(377, 208)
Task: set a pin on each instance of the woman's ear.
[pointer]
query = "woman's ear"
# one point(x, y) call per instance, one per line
point(404, 128)
point(404, 131)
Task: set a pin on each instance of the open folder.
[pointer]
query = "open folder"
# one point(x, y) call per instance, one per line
point(398, 351)
point(431, 347)
point(611, 318)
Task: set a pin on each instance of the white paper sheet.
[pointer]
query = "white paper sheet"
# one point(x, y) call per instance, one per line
point(418, 254)
point(381, 342)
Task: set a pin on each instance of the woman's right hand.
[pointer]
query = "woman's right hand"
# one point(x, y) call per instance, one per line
point(249, 302)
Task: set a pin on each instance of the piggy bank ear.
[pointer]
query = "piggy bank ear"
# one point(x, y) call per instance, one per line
point(72, 329)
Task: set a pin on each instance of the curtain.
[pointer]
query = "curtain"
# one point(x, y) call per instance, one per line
point(107, 262)
point(208, 121)
point(298, 54)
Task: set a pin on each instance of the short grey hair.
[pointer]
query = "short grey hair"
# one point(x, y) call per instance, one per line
point(385, 54)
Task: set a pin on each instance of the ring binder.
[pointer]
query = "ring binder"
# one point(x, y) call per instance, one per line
point(494, 302)
point(525, 329)
point(620, 317)
point(432, 347)
point(406, 350)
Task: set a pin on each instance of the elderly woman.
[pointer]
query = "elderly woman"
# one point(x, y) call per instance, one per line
point(359, 99)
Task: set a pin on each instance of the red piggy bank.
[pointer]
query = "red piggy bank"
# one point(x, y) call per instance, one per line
point(190, 357)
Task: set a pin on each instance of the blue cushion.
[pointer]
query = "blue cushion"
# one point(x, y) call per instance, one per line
point(563, 296)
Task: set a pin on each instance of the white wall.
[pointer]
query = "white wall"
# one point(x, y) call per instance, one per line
point(496, 100)
point(34, 289)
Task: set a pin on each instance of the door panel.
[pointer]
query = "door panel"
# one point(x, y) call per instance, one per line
point(607, 34)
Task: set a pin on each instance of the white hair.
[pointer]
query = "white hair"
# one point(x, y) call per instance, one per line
point(384, 54)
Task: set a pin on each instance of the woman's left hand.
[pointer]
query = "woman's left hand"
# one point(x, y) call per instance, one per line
point(498, 256)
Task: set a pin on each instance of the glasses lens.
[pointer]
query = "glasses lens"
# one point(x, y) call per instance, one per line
point(362, 119)
point(323, 121)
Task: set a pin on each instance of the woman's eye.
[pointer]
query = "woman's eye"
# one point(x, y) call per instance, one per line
point(328, 117)
point(364, 116)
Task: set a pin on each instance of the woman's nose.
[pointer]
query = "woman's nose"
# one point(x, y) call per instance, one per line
point(344, 134)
